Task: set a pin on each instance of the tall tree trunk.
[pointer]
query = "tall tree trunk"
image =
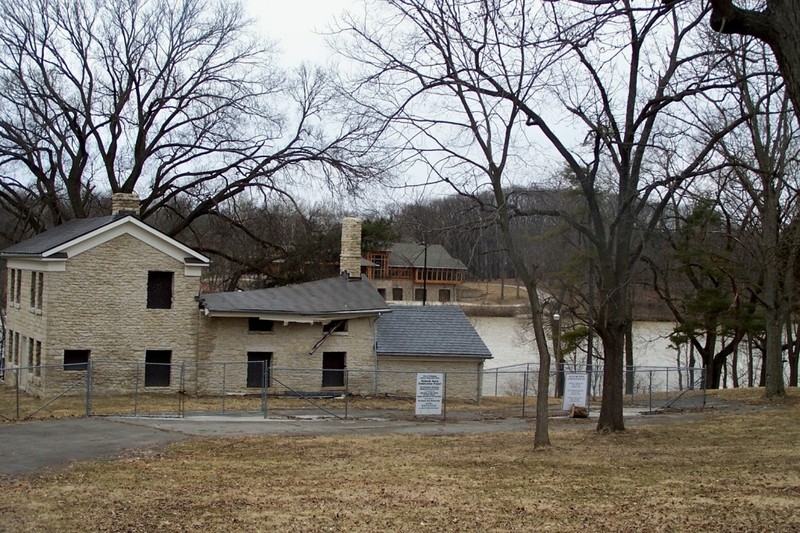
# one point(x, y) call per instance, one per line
point(613, 338)
point(794, 352)
point(630, 371)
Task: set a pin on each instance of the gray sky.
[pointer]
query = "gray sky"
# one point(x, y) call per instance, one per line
point(293, 23)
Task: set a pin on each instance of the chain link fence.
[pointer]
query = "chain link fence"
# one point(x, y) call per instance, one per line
point(257, 389)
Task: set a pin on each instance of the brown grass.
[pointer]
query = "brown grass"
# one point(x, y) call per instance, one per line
point(726, 473)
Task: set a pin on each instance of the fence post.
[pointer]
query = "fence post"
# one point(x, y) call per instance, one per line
point(89, 367)
point(650, 387)
point(136, 390)
point(16, 381)
point(224, 376)
point(182, 392)
point(264, 388)
point(524, 388)
point(346, 391)
point(496, 375)
point(704, 381)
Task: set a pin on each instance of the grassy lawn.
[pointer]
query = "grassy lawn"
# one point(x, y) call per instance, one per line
point(726, 472)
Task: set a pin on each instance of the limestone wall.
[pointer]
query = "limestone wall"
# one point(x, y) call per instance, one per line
point(227, 340)
point(100, 303)
point(398, 375)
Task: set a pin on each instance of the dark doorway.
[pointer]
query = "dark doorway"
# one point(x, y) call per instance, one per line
point(258, 364)
point(157, 366)
point(333, 369)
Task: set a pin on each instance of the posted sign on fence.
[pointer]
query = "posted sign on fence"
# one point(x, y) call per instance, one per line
point(430, 391)
point(576, 386)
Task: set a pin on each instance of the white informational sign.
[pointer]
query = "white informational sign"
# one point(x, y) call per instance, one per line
point(430, 390)
point(575, 387)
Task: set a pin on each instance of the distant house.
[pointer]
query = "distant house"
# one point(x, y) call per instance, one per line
point(116, 294)
point(438, 338)
point(400, 273)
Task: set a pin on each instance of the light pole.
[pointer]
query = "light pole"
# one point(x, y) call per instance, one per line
point(557, 354)
point(425, 274)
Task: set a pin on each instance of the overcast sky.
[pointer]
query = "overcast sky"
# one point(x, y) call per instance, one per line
point(293, 25)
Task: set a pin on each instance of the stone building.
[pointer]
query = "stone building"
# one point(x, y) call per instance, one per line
point(116, 294)
point(108, 288)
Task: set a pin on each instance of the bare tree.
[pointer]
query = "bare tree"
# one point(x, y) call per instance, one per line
point(176, 100)
point(765, 158)
point(773, 22)
point(624, 75)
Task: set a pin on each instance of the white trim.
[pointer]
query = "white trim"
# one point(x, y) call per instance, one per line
point(58, 264)
point(287, 319)
point(136, 228)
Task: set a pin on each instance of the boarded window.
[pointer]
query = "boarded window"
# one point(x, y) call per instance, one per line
point(18, 293)
point(75, 360)
point(34, 292)
point(397, 294)
point(157, 366)
point(335, 326)
point(40, 290)
point(256, 324)
point(333, 369)
point(159, 290)
point(419, 294)
point(444, 295)
point(258, 369)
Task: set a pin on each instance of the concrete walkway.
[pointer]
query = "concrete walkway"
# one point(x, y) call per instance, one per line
point(34, 445)
point(30, 446)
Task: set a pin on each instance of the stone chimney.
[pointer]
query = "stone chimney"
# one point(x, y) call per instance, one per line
point(125, 204)
point(350, 258)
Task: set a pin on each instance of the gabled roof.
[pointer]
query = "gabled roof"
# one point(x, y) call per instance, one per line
point(39, 245)
point(404, 254)
point(442, 330)
point(337, 296)
point(78, 235)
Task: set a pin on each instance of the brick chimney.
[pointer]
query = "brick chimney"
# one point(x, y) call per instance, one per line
point(125, 204)
point(350, 258)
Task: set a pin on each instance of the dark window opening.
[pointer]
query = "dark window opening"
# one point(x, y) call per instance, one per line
point(382, 292)
point(75, 360)
point(258, 369)
point(333, 369)
point(159, 290)
point(256, 324)
point(444, 295)
point(397, 294)
point(419, 294)
point(157, 366)
point(335, 326)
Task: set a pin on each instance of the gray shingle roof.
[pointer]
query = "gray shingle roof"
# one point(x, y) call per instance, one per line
point(404, 254)
point(324, 297)
point(39, 244)
point(430, 330)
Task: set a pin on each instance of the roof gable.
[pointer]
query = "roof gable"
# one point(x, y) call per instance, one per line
point(411, 254)
point(79, 235)
point(442, 330)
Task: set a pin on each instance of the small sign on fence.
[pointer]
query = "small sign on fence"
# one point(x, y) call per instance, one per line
point(576, 385)
point(430, 390)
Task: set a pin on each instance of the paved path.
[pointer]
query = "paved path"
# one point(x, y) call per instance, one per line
point(26, 447)
point(29, 446)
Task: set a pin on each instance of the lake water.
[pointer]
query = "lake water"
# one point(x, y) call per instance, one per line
point(511, 344)
point(513, 349)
